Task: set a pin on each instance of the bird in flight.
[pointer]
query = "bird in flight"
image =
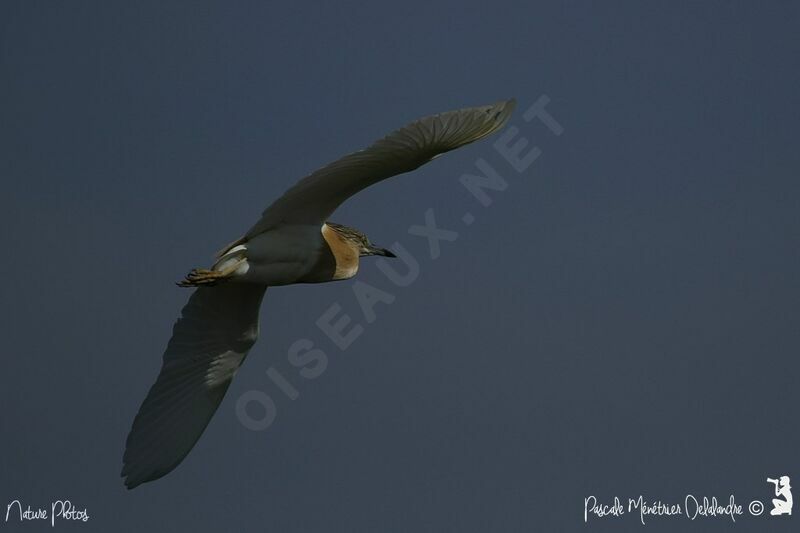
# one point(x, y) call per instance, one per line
point(293, 242)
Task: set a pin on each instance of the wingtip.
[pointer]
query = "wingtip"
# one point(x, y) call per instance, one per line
point(127, 478)
point(505, 108)
point(510, 105)
point(129, 482)
point(507, 104)
point(132, 479)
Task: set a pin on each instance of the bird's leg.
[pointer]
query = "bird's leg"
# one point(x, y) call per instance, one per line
point(201, 277)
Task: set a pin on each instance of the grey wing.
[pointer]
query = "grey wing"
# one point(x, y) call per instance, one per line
point(217, 328)
point(314, 198)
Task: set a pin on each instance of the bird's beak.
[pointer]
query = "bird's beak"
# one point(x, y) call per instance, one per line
point(382, 251)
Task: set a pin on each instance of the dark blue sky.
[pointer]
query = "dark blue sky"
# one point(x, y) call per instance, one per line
point(622, 320)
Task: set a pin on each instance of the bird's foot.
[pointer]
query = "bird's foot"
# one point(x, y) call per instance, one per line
point(200, 277)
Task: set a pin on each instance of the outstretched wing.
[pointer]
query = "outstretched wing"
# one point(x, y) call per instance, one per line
point(217, 328)
point(314, 198)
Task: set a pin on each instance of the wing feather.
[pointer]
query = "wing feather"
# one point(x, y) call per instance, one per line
point(314, 198)
point(210, 340)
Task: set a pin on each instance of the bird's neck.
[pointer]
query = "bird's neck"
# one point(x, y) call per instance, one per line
point(344, 251)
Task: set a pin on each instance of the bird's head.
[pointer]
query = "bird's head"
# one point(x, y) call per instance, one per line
point(359, 241)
